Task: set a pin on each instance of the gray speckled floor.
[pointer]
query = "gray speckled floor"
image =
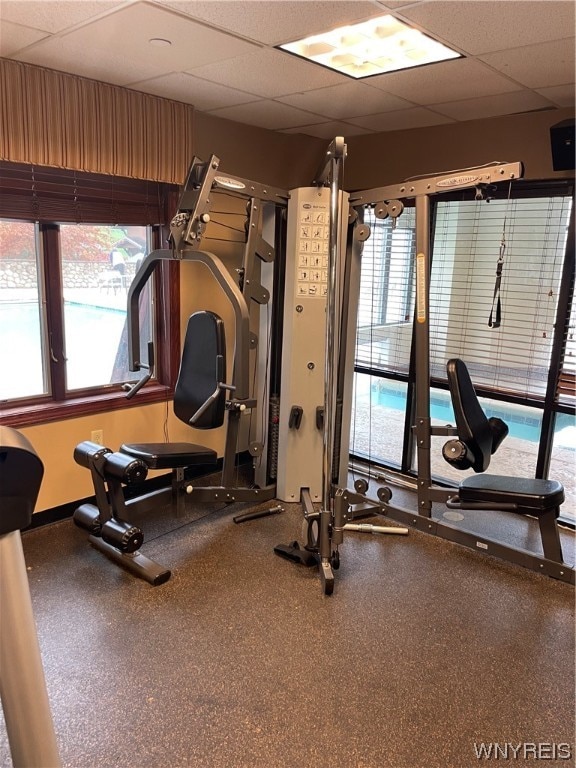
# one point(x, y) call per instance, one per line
point(240, 661)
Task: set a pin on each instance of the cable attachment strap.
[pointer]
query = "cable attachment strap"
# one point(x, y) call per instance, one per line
point(495, 318)
point(496, 312)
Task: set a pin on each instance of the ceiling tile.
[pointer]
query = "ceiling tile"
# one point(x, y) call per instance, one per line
point(404, 119)
point(277, 21)
point(537, 66)
point(445, 81)
point(493, 106)
point(562, 95)
point(482, 26)
point(95, 62)
point(116, 49)
point(14, 37)
point(519, 57)
point(192, 90)
point(347, 100)
point(269, 73)
point(53, 15)
point(268, 114)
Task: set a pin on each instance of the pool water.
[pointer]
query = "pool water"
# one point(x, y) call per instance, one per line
point(523, 422)
point(93, 335)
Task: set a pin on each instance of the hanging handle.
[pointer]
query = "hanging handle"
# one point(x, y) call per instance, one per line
point(495, 319)
point(494, 322)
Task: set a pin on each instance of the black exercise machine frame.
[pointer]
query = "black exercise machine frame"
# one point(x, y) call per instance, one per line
point(106, 521)
point(421, 190)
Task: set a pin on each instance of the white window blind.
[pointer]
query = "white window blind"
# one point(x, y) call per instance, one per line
point(514, 357)
point(386, 305)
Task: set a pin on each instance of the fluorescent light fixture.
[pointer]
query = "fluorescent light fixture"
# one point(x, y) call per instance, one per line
point(372, 47)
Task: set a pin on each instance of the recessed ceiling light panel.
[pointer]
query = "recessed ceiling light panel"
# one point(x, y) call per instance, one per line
point(372, 47)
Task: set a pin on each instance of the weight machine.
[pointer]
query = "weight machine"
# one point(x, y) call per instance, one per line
point(302, 455)
point(204, 398)
point(321, 293)
point(311, 280)
point(474, 438)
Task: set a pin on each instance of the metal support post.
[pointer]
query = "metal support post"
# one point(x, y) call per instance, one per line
point(332, 327)
point(22, 683)
point(422, 337)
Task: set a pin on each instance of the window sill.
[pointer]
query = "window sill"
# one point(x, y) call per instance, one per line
point(45, 411)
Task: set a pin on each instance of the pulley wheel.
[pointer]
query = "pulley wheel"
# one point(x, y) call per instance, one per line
point(361, 485)
point(384, 494)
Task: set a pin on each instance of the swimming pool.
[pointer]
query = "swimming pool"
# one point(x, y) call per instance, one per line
point(523, 422)
point(93, 336)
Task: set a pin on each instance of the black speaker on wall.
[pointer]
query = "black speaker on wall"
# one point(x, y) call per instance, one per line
point(563, 147)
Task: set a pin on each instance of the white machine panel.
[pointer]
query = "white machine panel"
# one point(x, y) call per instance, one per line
point(304, 343)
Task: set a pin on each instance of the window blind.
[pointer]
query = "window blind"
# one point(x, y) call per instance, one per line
point(41, 193)
point(469, 235)
point(386, 302)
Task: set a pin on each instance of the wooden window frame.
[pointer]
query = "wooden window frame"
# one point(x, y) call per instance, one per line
point(21, 200)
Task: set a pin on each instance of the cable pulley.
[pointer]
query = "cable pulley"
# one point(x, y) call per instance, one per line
point(386, 208)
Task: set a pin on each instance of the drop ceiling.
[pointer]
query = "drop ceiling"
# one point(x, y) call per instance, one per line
point(517, 56)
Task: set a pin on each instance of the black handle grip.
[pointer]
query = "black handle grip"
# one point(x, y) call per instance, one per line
point(132, 389)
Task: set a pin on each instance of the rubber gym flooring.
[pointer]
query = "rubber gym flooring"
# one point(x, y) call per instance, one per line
point(425, 651)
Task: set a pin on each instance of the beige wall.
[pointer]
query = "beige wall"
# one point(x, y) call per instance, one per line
point(64, 480)
point(386, 158)
point(280, 159)
point(288, 161)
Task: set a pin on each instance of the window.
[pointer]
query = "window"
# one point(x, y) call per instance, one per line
point(98, 263)
point(22, 315)
point(566, 393)
point(385, 312)
point(64, 279)
point(510, 365)
point(94, 307)
point(516, 356)
point(378, 420)
point(386, 293)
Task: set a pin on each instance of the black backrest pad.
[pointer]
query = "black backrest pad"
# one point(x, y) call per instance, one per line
point(202, 367)
point(471, 422)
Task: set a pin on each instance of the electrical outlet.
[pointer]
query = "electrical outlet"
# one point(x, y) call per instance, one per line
point(97, 436)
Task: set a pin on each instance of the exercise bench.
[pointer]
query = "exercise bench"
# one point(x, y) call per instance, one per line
point(200, 402)
point(478, 438)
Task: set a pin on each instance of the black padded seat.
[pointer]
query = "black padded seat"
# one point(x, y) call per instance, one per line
point(170, 455)
point(537, 496)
